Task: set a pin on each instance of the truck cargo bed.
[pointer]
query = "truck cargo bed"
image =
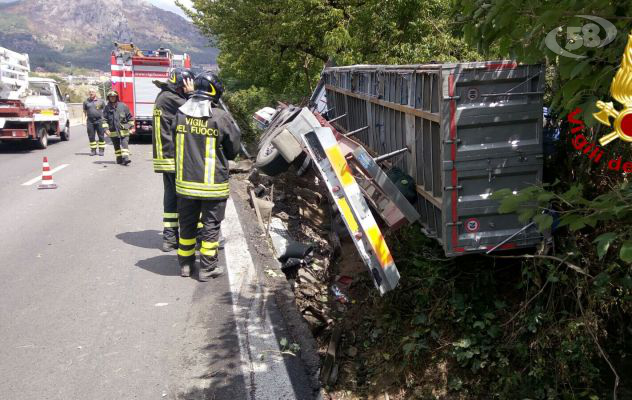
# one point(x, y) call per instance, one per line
point(471, 128)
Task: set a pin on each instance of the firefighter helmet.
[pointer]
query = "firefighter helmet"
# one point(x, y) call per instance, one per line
point(177, 76)
point(208, 85)
point(112, 93)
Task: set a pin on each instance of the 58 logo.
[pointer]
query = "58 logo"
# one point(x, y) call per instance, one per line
point(588, 35)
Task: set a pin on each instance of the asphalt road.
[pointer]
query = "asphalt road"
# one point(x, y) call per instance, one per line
point(90, 308)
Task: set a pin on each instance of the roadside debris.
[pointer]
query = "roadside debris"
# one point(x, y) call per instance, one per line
point(340, 297)
point(240, 166)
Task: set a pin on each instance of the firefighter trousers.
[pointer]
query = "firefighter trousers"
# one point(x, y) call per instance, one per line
point(170, 208)
point(121, 149)
point(95, 128)
point(189, 215)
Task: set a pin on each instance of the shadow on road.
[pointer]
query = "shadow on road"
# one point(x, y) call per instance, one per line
point(218, 373)
point(148, 239)
point(24, 146)
point(166, 264)
point(104, 162)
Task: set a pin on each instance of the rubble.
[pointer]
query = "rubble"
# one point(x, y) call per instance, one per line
point(240, 166)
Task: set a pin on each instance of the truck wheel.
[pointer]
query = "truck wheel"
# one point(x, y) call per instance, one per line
point(65, 134)
point(269, 159)
point(42, 138)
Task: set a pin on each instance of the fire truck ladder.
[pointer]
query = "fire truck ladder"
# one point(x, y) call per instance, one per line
point(365, 233)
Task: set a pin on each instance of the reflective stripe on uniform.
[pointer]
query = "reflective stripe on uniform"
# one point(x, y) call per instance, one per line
point(186, 253)
point(157, 133)
point(186, 247)
point(93, 145)
point(186, 242)
point(201, 186)
point(202, 193)
point(117, 152)
point(166, 164)
point(101, 145)
point(207, 159)
point(209, 245)
point(208, 252)
point(170, 220)
point(213, 156)
point(180, 151)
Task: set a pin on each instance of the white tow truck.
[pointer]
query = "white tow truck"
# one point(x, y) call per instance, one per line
point(31, 108)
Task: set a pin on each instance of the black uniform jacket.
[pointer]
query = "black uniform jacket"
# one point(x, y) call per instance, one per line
point(118, 118)
point(165, 109)
point(203, 147)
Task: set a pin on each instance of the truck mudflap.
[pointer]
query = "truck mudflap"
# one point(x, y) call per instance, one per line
point(325, 151)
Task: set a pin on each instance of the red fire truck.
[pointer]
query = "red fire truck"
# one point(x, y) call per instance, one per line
point(133, 71)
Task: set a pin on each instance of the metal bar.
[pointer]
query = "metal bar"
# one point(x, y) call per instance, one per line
point(338, 117)
point(399, 107)
point(436, 201)
point(390, 155)
point(356, 131)
point(509, 94)
point(511, 237)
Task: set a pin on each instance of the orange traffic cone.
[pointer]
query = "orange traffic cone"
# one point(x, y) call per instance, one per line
point(47, 177)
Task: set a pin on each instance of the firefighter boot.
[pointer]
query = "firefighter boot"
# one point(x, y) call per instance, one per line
point(209, 269)
point(185, 270)
point(93, 152)
point(101, 152)
point(169, 239)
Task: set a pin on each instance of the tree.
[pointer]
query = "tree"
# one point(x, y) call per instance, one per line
point(283, 45)
point(517, 29)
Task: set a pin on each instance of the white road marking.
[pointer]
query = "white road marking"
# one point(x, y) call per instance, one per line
point(262, 362)
point(37, 178)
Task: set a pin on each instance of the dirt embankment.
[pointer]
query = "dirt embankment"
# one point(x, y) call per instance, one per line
point(335, 295)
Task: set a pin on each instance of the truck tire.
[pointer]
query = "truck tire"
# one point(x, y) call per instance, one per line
point(269, 159)
point(42, 138)
point(65, 134)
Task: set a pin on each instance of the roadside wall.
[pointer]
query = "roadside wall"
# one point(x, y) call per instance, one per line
point(75, 113)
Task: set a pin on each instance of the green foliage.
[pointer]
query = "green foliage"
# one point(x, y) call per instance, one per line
point(506, 329)
point(283, 45)
point(243, 103)
point(517, 29)
point(610, 212)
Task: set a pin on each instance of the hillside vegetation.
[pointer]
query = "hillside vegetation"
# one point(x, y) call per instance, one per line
point(553, 327)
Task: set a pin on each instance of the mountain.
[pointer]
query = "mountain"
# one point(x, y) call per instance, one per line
point(81, 32)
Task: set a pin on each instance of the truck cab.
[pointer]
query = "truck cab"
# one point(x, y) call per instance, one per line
point(45, 97)
point(40, 112)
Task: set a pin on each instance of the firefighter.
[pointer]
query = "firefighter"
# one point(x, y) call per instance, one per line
point(206, 138)
point(93, 111)
point(118, 123)
point(172, 95)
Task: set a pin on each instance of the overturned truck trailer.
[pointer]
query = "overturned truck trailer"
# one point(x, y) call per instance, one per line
point(470, 129)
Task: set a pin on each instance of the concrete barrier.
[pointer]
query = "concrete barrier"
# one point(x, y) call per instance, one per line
point(75, 114)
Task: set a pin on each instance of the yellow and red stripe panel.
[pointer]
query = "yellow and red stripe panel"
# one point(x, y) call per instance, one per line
point(360, 223)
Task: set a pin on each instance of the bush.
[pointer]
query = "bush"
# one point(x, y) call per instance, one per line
point(243, 104)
